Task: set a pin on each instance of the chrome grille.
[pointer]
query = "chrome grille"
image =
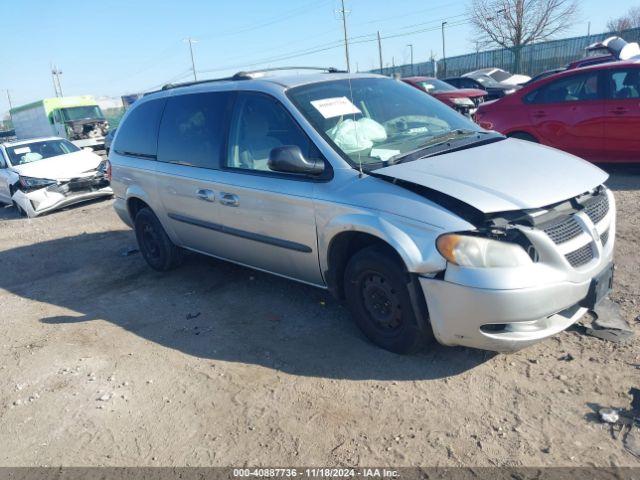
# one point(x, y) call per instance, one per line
point(604, 238)
point(581, 256)
point(563, 230)
point(598, 208)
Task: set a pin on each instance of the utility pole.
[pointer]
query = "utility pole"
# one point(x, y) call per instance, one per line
point(444, 53)
point(410, 45)
point(10, 106)
point(380, 50)
point(346, 37)
point(393, 64)
point(589, 29)
point(55, 76)
point(193, 63)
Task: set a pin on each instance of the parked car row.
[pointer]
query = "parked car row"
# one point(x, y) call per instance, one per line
point(591, 111)
point(427, 224)
point(590, 108)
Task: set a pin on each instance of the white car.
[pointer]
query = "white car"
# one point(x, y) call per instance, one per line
point(43, 174)
point(500, 76)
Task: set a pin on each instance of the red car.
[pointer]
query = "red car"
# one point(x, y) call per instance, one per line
point(464, 100)
point(592, 112)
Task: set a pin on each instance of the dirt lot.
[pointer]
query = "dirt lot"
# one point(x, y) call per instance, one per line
point(105, 362)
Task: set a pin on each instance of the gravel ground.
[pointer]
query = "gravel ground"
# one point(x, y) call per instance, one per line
point(105, 362)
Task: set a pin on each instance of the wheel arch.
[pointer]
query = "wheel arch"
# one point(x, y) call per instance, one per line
point(345, 236)
point(136, 198)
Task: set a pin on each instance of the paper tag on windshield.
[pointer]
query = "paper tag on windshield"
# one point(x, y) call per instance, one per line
point(21, 150)
point(383, 153)
point(335, 107)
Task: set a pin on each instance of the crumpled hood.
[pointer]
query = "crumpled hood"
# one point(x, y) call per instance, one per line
point(62, 167)
point(502, 176)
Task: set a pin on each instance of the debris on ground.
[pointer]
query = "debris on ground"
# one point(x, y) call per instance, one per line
point(127, 252)
point(567, 357)
point(609, 323)
point(191, 316)
point(105, 398)
point(625, 423)
point(609, 415)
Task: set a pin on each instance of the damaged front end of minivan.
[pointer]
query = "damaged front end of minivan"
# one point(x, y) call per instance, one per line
point(519, 276)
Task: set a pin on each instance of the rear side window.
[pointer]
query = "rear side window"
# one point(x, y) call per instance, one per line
point(138, 134)
point(625, 84)
point(193, 129)
point(577, 88)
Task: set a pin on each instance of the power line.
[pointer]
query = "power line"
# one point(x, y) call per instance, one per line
point(280, 18)
point(360, 39)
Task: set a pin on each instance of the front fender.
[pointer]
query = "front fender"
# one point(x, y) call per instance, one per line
point(414, 241)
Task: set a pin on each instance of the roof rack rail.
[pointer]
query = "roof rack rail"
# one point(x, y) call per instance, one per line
point(249, 75)
point(169, 86)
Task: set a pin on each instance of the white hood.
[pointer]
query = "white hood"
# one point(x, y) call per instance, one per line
point(517, 79)
point(506, 175)
point(61, 167)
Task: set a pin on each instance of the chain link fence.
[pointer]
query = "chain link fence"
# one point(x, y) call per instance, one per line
point(534, 58)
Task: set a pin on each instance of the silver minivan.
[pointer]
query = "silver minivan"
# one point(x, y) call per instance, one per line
point(424, 224)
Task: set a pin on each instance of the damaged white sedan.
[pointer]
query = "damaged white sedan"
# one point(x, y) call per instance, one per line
point(44, 174)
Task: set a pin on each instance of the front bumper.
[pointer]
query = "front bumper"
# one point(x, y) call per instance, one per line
point(507, 309)
point(501, 320)
point(44, 200)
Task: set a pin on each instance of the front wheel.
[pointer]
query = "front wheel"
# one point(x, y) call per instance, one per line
point(377, 290)
point(155, 245)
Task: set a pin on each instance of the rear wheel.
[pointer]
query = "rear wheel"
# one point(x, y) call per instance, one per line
point(379, 294)
point(523, 136)
point(155, 245)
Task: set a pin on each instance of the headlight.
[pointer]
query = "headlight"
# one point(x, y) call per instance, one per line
point(463, 101)
point(510, 91)
point(472, 251)
point(30, 183)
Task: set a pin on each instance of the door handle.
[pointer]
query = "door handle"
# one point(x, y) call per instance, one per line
point(620, 111)
point(206, 195)
point(539, 114)
point(229, 199)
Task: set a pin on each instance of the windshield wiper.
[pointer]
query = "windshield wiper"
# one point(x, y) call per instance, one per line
point(434, 142)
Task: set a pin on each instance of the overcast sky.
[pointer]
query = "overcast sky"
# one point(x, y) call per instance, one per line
point(123, 47)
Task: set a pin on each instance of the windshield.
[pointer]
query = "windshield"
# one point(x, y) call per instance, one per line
point(81, 113)
point(436, 86)
point(373, 120)
point(32, 152)
point(486, 80)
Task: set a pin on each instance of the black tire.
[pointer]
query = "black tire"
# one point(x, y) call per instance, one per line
point(523, 136)
point(384, 301)
point(19, 209)
point(155, 245)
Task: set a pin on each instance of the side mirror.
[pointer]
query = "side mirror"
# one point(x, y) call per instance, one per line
point(289, 159)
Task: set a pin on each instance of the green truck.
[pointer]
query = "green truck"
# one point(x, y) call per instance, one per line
point(78, 119)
